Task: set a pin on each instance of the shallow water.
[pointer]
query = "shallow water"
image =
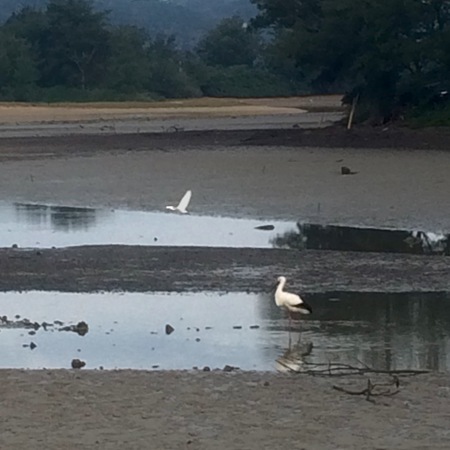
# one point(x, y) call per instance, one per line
point(34, 225)
point(383, 331)
point(363, 239)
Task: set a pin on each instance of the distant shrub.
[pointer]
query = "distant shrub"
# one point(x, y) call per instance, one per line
point(243, 81)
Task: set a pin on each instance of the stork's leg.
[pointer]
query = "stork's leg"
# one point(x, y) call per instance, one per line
point(289, 330)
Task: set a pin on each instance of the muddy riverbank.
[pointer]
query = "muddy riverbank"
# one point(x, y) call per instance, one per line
point(178, 269)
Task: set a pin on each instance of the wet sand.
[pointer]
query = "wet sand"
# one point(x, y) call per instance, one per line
point(179, 410)
point(182, 269)
point(295, 175)
point(239, 174)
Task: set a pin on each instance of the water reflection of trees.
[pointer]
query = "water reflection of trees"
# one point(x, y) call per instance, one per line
point(60, 218)
point(384, 331)
point(343, 238)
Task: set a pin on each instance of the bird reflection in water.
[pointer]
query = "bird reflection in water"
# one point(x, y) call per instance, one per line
point(293, 358)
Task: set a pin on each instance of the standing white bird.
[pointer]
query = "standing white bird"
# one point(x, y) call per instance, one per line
point(292, 302)
point(184, 202)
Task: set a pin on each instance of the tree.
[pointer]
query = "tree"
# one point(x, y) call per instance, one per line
point(231, 43)
point(128, 65)
point(378, 51)
point(168, 76)
point(18, 70)
point(76, 44)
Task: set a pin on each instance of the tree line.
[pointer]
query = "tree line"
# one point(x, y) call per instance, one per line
point(68, 50)
point(389, 57)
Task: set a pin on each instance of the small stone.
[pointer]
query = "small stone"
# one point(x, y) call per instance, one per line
point(347, 171)
point(266, 383)
point(77, 364)
point(33, 346)
point(169, 329)
point(228, 368)
point(237, 327)
point(197, 339)
point(14, 246)
point(265, 227)
point(81, 328)
point(254, 327)
point(206, 369)
point(32, 332)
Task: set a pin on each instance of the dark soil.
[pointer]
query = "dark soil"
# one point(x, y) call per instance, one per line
point(139, 268)
point(336, 136)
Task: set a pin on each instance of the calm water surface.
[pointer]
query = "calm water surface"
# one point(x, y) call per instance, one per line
point(410, 331)
point(33, 225)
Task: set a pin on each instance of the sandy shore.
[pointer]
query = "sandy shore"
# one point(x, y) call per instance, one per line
point(291, 174)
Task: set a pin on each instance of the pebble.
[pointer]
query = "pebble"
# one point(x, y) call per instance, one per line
point(77, 364)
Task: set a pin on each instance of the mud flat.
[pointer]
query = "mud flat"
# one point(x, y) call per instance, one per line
point(172, 269)
point(209, 410)
point(401, 181)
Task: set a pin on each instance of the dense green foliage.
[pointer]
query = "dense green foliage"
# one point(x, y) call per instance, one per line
point(391, 55)
point(69, 50)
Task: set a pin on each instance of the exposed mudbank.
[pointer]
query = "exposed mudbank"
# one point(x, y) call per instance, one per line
point(141, 269)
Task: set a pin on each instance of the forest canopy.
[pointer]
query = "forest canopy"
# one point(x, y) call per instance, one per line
point(392, 57)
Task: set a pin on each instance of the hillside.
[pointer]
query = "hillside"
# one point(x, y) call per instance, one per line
point(188, 20)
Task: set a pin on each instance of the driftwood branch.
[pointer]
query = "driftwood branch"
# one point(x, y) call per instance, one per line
point(340, 370)
point(371, 389)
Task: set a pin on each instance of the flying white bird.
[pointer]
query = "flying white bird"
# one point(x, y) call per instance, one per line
point(184, 202)
point(292, 302)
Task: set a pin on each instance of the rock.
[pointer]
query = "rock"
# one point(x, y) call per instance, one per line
point(254, 327)
point(197, 339)
point(265, 227)
point(228, 368)
point(347, 171)
point(169, 329)
point(80, 328)
point(206, 369)
point(32, 345)
point(77, 364)
point(14, 246)
point(237, 327)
